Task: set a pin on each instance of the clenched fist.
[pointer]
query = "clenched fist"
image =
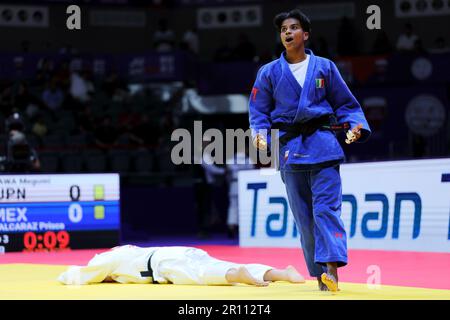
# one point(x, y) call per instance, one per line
point(259, 142)
point(354, 134)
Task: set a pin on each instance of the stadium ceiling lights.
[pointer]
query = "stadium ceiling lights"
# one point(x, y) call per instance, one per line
point(23, 16)
point(411, 8)
point(229, 17)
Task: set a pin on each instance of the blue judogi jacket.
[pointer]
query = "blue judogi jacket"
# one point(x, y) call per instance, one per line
point(278, 97)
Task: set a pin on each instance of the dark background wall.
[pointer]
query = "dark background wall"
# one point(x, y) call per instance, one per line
point(128, 39)
point(146, 210)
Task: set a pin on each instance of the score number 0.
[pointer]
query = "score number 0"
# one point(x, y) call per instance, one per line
point(75, 210)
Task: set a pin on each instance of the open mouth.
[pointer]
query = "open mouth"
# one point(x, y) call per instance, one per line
point(289, 39)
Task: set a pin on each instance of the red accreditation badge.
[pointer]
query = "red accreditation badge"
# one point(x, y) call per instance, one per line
point(254, 92)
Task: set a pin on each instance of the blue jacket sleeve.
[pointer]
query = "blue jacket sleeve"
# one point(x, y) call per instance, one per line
point(344, 104)
point(261, 104)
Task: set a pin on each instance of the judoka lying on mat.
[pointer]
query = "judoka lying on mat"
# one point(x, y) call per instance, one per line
point(177, 265)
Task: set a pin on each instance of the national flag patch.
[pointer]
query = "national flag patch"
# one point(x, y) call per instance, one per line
point(320, 83)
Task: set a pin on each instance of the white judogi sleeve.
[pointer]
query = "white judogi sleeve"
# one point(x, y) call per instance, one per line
point(77, 275)
point(122, 264)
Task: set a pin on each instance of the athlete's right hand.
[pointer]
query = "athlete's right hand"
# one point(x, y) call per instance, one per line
point(259, 142)
point(354, 134)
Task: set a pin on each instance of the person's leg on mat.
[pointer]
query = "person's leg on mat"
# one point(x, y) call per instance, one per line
point(300, 200)
point(289, 274)
point(330, 236)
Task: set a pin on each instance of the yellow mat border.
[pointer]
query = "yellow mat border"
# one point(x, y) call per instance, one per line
point(38, 282)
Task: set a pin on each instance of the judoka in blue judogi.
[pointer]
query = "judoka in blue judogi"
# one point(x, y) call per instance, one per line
point(305, 97)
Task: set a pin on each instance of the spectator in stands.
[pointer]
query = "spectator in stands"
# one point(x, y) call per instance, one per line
point(115, 87)
point(40, 128)
point(21, 156)
point(406, 41)
point(53, 97)
point(44, 71)
point(382, 45)
point(164, 38)
point(26, 102)
point(80, 87)
point(189, 42)
point(106, 134)
point(245, 50)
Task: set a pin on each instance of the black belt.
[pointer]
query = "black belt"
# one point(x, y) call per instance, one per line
point(149, 272)
point(293, 130)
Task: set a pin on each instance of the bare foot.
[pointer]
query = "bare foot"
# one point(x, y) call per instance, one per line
point(242, 275)
point(293, 275)
point(322, 286)
point(330, 281)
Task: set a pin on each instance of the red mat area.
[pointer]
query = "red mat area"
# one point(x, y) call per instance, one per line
point(413, 269)
point(70, 257)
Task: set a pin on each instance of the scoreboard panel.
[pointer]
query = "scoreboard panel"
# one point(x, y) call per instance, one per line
point(51, 212)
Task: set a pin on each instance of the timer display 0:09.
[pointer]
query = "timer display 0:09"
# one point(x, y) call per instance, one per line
point(49, 240)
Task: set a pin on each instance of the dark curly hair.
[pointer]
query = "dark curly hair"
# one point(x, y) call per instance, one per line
point(296, 14)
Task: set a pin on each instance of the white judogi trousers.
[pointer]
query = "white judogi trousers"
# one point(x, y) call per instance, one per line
point(177, 265)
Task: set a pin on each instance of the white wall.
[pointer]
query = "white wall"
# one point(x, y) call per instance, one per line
point(409, 192)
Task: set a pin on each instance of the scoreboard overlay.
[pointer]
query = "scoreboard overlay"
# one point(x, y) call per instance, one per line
point(49, 212)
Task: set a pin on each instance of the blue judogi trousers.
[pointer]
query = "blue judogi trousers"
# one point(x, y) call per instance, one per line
point(315, 198)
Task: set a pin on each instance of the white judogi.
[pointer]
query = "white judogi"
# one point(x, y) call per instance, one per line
point(177, 265)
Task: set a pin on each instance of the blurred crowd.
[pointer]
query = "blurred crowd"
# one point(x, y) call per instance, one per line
point(348, 43)
point(238, 46)
point(65, 109)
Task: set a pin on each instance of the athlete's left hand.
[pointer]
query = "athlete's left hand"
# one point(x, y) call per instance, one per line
point(354, 134)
